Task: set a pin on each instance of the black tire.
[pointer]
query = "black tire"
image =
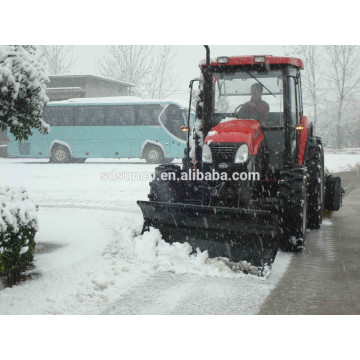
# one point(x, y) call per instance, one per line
point(333, 193)
point(165, 190)
point(293, 209)
point(316, 183)
point(153, 154)
point(60, 154)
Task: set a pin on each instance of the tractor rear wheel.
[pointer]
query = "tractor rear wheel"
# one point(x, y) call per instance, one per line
point(315, 166)
point(293, 209)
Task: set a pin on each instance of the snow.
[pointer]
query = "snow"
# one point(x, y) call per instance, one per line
point(342, 160)
point(121, 100)
point(91, 258)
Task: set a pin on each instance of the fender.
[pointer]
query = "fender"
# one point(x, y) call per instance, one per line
point(152, 143)
point(237, 131)
point(303, 139)
point(55, 142)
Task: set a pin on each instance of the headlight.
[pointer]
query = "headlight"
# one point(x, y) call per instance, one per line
point(242, 154)
point(206, 154)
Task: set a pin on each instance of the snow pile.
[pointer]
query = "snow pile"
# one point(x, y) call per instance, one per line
point(16, 210)
point(153, 253)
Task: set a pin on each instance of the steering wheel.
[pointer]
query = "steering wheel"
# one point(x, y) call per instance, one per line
point(238, 108)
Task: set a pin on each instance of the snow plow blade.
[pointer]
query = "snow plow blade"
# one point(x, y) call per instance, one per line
point(237, 234)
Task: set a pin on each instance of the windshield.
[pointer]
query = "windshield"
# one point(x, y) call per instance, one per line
point(236, 89)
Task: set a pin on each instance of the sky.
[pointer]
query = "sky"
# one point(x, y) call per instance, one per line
point(186, 59)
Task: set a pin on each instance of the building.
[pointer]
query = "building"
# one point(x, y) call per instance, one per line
point(63, 87)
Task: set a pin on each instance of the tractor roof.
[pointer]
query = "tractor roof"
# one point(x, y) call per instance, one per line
point(255, 60)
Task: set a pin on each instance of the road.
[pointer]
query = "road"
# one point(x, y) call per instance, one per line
point(325, 278)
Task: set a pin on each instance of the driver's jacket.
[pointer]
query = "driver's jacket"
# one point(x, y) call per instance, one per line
point(257, 110)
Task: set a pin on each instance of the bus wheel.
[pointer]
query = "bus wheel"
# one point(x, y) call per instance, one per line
point(153, 155)
point(60, 154)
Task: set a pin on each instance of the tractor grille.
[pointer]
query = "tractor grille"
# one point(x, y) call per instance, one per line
point(222, 153)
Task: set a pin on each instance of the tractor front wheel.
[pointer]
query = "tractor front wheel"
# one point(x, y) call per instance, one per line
point(293, 209)
point(315, 166)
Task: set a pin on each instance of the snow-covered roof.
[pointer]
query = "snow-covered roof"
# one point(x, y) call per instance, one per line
point(120, 82)
point(65, 88)
point(119, 100)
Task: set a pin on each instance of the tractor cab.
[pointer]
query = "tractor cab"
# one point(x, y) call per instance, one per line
point(265, 90)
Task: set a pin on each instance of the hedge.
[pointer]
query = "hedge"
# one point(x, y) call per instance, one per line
point(18, 226)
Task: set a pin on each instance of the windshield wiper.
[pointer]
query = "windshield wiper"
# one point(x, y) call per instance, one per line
point(260, 83)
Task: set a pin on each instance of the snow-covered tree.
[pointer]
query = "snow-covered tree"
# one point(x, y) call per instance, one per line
point(58, 59)
point(22, 90)
point(22, 99)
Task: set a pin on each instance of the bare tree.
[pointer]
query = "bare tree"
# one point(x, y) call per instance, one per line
point(129, 63)
point(145, 67)
point(344, 78)
point(162, 81)
point(312, 76)
point(58, 58)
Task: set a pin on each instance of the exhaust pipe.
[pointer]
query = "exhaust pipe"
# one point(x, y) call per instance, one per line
point(207, 91)
point(207, 56)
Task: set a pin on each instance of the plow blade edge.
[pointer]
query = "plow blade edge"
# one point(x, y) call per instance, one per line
point(237, 234)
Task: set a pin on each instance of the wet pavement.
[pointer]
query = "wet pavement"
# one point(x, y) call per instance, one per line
point(325, 278)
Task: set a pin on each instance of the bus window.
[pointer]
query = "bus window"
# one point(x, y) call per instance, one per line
point(48, 115)
point(58, 115)
point(89, 115)
point(148, 114)
point(121, 115)
point(173, 118)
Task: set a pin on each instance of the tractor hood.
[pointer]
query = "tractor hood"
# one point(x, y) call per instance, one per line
point(237, 131)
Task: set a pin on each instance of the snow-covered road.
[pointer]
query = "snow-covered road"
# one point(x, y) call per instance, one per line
point(91, 259)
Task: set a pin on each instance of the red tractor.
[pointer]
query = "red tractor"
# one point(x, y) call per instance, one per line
point(249, 123)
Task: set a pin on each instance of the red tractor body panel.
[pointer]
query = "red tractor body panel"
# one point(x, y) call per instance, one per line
point(237, 131)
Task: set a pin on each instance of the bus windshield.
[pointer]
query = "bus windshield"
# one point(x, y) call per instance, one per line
point(173, 119)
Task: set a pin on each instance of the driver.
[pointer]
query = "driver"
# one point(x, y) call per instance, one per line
point(255, 108)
